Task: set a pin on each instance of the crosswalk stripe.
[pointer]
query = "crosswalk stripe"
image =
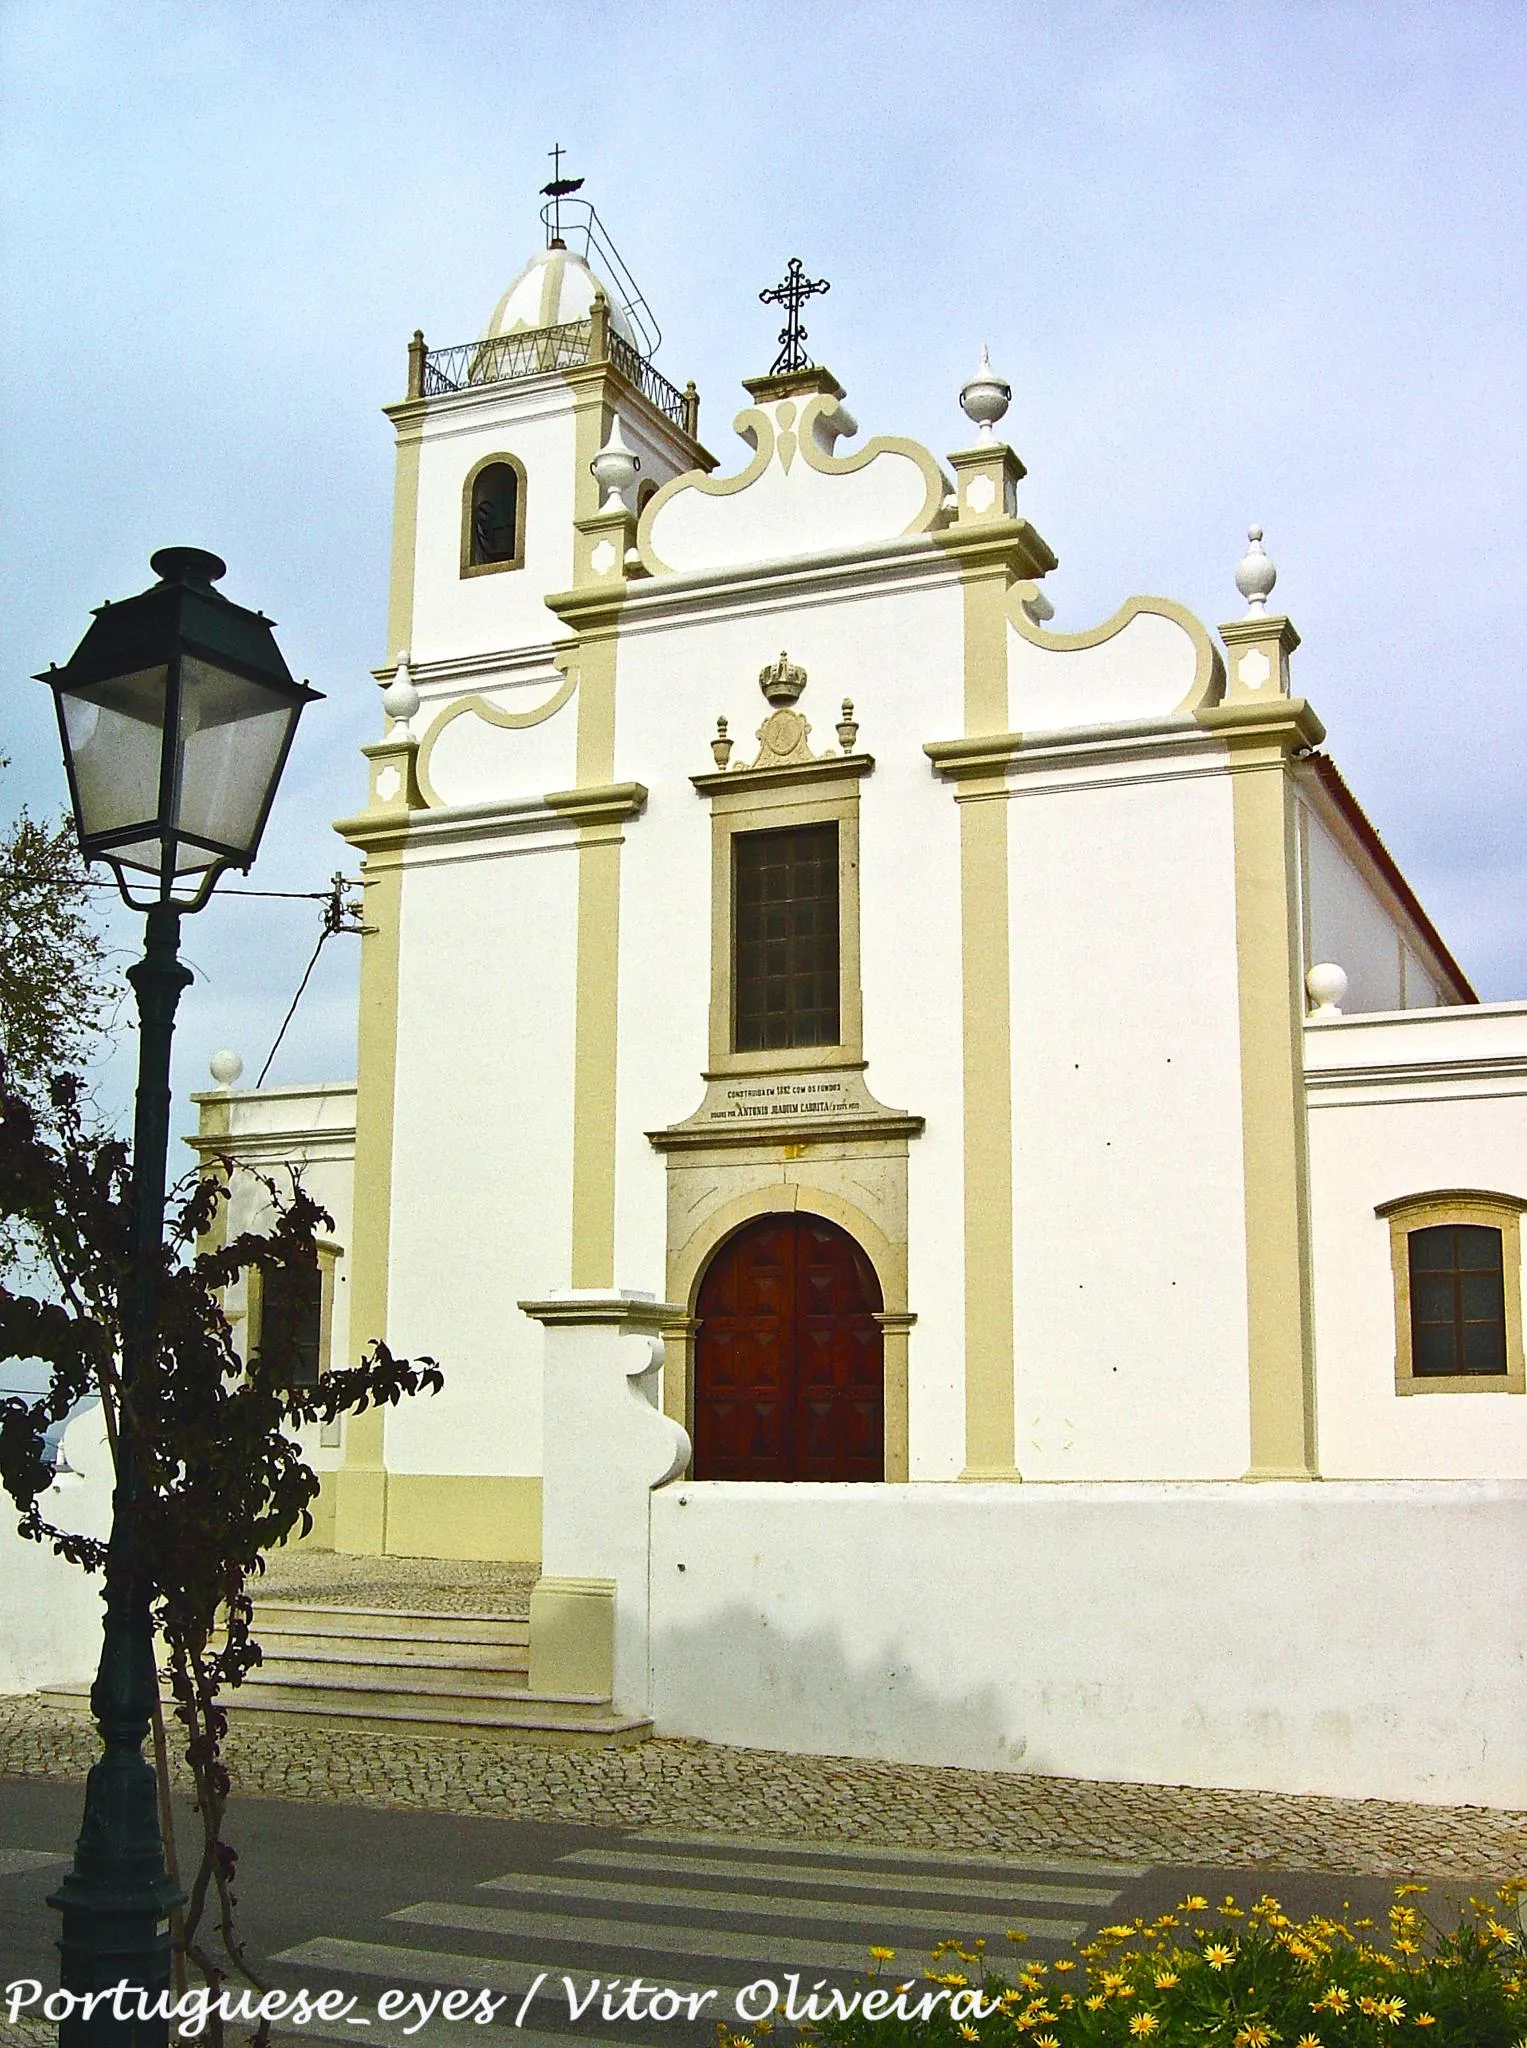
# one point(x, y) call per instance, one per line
point(14, 1861)
point(667, 1898)
point(858, 1852)
point(410, 1965)
point(435, 1967)
point(434, 2034)
point(658, 1938)
point(883, 1883)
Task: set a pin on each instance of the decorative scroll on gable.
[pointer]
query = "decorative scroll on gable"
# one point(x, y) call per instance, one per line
point(796, 497)
point(1151, 660)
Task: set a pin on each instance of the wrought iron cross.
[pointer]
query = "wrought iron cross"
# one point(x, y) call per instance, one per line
point(558, 190)
point(792, 293)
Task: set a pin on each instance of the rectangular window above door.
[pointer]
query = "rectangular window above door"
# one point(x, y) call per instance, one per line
point(786, 978)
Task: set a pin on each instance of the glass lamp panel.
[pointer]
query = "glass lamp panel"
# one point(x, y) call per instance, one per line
point(233, 735)
point(114, 731)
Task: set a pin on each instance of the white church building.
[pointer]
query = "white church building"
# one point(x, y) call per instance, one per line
point(967, 1212)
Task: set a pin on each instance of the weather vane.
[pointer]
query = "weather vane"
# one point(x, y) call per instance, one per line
point(558, 190)
point(792, 293)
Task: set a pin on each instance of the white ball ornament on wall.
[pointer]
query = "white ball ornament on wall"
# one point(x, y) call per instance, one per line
point(226, 1068)
point(1327, 984)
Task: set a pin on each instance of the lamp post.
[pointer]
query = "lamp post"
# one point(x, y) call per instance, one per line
point(176, 713)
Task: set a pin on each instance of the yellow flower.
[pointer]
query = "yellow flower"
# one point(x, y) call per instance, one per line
point(1253, 2036)
point(1143, 2023)
point(1166, 1980)
point(883, 1955)
point(1064, 1965)
point(1045, 2041)
point(1410, 1891)
point(1216, 1955)
point(1112, 1980)
point(1336, 1999)
point(1308, 2041)
point(969, 2034)
point(1095, 2003)
point(1424, 2019)
point(1382, 2008)
point(1194, 1905)
point(1500, 1933)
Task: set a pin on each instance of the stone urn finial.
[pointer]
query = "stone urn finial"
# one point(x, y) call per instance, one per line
point(1255, 574)
point(782, 681)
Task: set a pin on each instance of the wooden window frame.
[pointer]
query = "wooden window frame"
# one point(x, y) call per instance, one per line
point(765, 800)
point(329, 1256)
point(517, 560)
point(1457, 1206)
point(828, 979)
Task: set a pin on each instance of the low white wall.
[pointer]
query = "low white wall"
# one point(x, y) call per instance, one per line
point(50, 1611)
point(1363, 1639)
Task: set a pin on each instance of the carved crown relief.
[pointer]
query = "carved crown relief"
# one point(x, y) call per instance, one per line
point(783, 736)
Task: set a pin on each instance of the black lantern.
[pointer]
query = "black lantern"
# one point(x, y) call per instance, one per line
point(176, 713)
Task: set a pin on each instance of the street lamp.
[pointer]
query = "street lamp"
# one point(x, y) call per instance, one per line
point(176, 713)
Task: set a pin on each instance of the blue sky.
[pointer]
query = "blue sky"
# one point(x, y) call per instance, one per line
point(1239, 262)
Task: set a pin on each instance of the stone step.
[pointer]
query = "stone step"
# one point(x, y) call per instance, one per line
point(427, 1653)
point(527, 1714)
point(392, 1675)
point(556, 1718)
point(407, 1624)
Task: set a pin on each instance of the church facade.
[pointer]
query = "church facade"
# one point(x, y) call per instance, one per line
point(1006, 1060)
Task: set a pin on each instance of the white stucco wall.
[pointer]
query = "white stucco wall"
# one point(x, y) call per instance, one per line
point(456, 615)
point(482, 1136)
point(50, 1611)
point(1129, 1238)
point(1349, 921)
point(1358, 1640)
point(1405, 1104)
point(895, 650)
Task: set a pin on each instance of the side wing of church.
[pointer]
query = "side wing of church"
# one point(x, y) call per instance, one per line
point(944, 1051)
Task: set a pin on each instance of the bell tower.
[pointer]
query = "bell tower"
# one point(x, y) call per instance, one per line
point(523, 457)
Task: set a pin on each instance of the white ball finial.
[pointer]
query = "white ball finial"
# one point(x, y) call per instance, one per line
point(1327, 984)
point(614, 469)
point(986, 397)
point(226, 1068)
point(400, 699)
point(1255, 575)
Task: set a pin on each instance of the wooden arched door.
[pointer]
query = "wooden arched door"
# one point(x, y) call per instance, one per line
point(789, 1359)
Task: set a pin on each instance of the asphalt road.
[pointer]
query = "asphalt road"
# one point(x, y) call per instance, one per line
point(419, 1903)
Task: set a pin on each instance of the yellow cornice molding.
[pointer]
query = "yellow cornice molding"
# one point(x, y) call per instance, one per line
point(1285, 722)
point(609, 803)
point(998, 544)
point(1260, 626)
point(596, 1305)
point(815, 380)
point(593, 609)
point(1446, 1198)
point(826, 768)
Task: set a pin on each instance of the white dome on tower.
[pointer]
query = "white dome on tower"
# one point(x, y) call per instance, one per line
point(555, 287)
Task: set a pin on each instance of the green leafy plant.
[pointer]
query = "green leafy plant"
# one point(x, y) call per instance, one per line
point(1226, 1977)
point(214, 1436)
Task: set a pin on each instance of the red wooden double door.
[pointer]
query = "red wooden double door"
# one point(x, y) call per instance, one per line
point(789, 1359)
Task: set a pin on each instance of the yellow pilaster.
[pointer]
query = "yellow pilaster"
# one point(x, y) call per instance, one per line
point(994, 547)
point(1263, 728)
point(360, 1484)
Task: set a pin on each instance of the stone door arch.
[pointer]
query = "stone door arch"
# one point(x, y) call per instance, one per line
point(789, 1355)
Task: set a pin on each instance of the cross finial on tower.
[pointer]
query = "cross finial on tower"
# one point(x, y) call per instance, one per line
point(556, 192)
point(792, 293)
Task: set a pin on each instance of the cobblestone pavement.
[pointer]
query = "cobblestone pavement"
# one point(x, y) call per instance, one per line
point(742, 1792)
point(435, 1585)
